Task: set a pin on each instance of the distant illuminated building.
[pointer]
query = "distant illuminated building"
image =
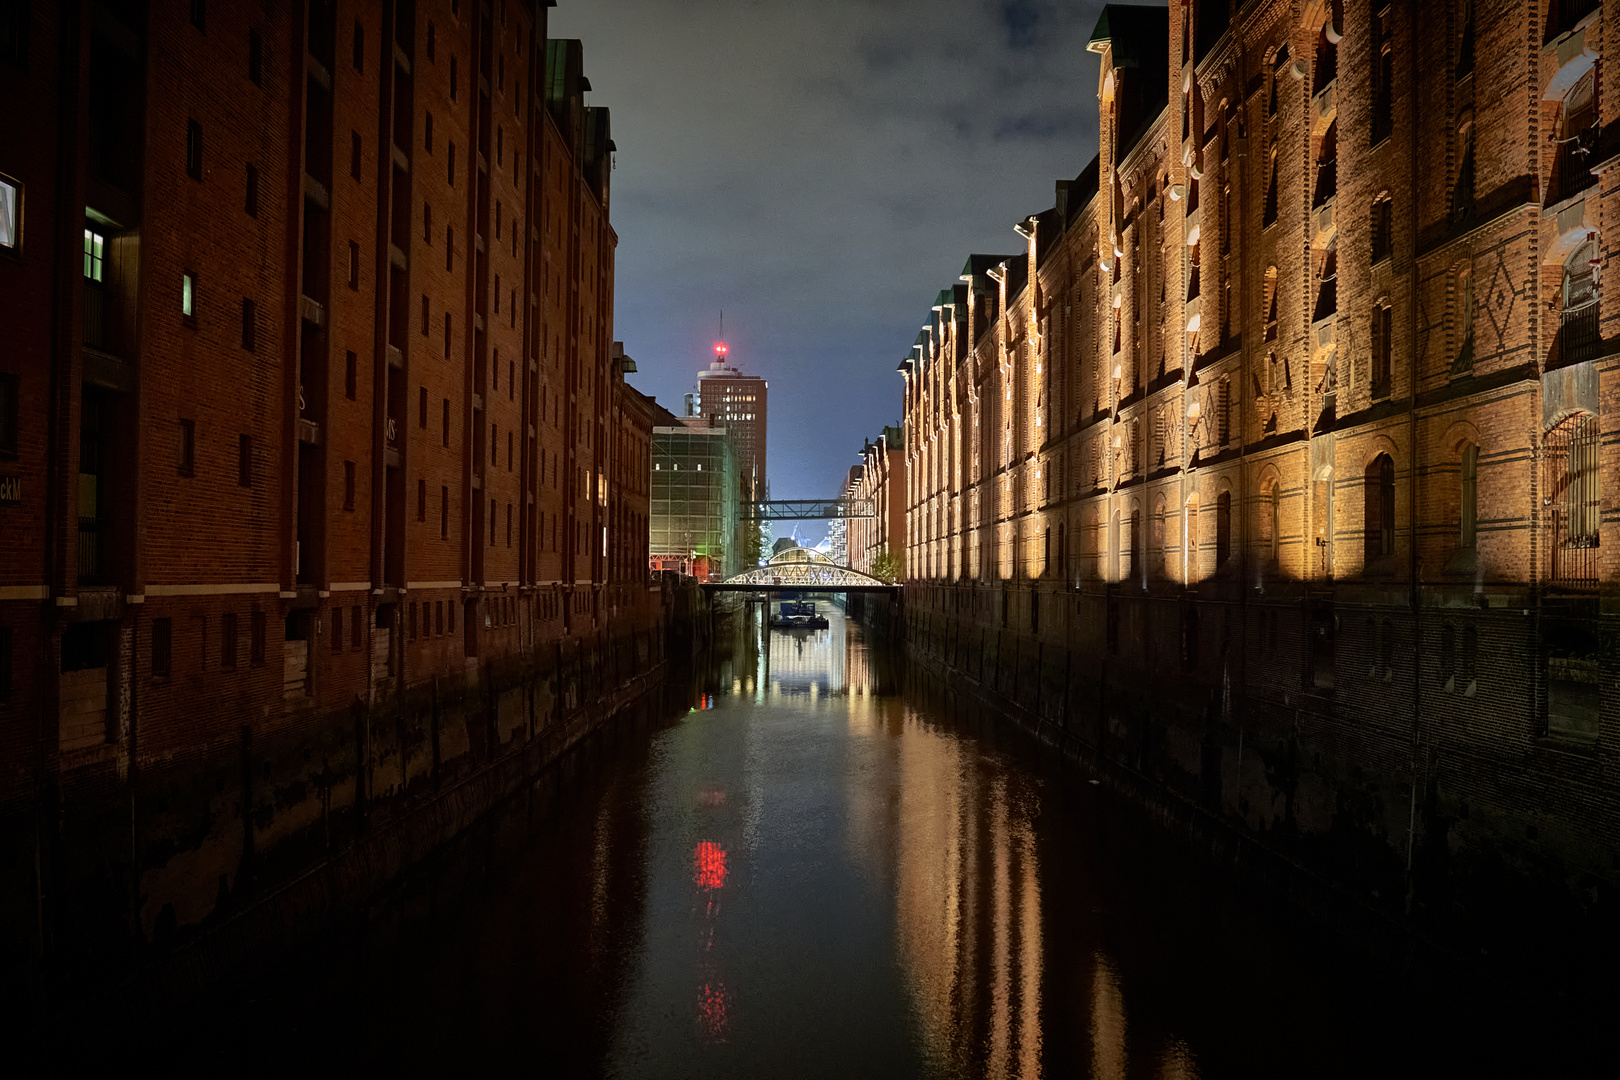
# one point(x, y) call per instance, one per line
point(739, 402)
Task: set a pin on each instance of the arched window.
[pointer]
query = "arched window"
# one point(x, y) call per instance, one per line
point(1576, 135)
point(1462, 192)
point(1578, 332)
point(1268, 216)
point(1223, 528)
point(1379, 508)
point(1279, 64)
point(1383, 222)
point(1468, 515)
point(1465, 321)
point(1382, 348)
point(1327, 167)
point(1270, 522)
point(1465, 47)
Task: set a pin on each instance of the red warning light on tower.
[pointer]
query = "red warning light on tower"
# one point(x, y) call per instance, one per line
point(719, 348)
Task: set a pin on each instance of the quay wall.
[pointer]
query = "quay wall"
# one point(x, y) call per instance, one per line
point(181, 873)
point(1421, 830)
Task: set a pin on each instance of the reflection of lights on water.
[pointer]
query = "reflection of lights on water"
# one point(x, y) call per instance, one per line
point(712, 797)
point(712, 999)
point(709, 865)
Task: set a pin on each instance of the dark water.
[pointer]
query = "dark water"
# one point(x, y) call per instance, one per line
point(817, 865)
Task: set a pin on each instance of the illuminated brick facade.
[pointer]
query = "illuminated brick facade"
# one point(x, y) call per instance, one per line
point(1273, 463)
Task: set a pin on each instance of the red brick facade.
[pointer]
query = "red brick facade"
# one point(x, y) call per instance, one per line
point(310, 327)
point(1282, 443)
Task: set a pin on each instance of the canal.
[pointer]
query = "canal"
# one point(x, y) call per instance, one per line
point(809, 861)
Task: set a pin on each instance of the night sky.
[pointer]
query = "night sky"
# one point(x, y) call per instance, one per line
point(820, 170)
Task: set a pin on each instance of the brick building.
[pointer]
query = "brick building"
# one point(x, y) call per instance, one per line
point(1282, 435)
point(309, 395)
point(880, 478)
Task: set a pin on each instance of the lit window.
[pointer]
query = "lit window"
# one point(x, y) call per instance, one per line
point(188, 292)
point(95, 246)
point(10, 214)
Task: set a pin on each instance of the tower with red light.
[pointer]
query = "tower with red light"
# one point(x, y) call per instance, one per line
point(727, 396)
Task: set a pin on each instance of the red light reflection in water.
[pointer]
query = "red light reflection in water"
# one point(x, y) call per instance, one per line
point(712, 797)
point(712, 1000)
point(709, 865)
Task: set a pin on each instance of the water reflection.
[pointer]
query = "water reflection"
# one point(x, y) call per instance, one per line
point(827, 867)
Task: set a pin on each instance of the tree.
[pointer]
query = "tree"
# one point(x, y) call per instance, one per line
point(887, 566)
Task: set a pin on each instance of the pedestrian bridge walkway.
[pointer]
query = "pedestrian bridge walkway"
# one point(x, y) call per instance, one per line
point(801, 569)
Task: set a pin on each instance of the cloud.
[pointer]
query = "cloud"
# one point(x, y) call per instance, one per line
point(820, 171)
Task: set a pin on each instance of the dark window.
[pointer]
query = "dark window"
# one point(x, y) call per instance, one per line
point(424, 314)
point(354, 265)
point(1223, 527)
point(8, 414)
point(199, 623)
point(438, 617)
point(357, 627)
point(452, 170)
point(1379, 508)
point(449, 248)
point(421, 500)
point(1382, 227)
point(1189, 638)
point(250, 202)
point(337, 629)
point(348, 485)
point(256, 635)
point(1268, 215)
point(1382, 350)
point(427, 132)
point(359, 47)
point(354, 154)
point(14, 19)
point(199, 14)
point(1578, 335)
point(447, 421)
point(452, 78)
point(194, 149)
point(162, 648)
point(421, 408)
point(1465, 47)
point(244, 460)
point(255, 57)
point(188, 448)
point(427, 224)
point(447, 335)
point(227, 640)
point(351, 364)
point(444, 512)
point(248, 321)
